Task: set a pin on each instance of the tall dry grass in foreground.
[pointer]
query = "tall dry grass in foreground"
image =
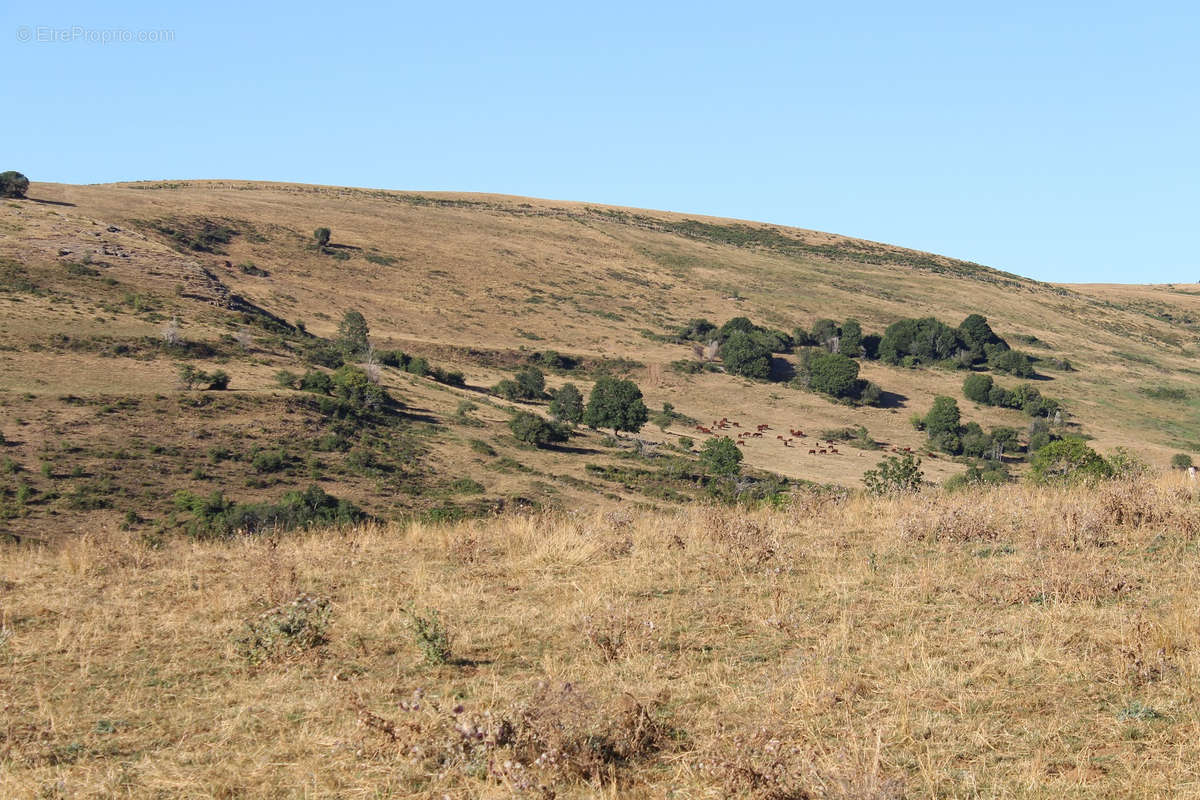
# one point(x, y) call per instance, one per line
point(1014, 642)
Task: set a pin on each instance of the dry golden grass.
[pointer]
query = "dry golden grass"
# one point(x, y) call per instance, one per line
point(1013, 642)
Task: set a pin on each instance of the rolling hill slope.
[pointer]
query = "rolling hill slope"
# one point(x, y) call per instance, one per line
point(95, 421)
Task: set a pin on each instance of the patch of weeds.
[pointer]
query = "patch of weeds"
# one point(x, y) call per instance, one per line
point(482, 448)
point(1136, 710)
point(466, 486)
point(432, 637)
point(286, 631)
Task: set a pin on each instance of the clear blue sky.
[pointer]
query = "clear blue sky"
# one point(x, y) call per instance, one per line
point(1055, 140)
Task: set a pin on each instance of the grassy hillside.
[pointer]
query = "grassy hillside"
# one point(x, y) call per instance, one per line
point(1010, 642)
point(97, 427)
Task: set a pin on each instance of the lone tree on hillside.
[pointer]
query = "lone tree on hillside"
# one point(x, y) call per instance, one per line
point(322, 236)
point(13, 184)
point(616, 404)
point(353, 334)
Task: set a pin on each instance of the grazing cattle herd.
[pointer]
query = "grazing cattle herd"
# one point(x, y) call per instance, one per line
point(828, 448)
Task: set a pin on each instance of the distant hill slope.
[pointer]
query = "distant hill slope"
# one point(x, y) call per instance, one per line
point(90, 275)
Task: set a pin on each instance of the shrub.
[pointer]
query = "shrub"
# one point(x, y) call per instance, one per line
point(352, 385)
point(617, 404)
point(533, 429)
point(218, 381)
point(894, 475)
point(13, 184)
point(393, 358)
point(1181, 461)
point(1012, 362)
point(870, 393)
point(418, 366)
point(286, 379)
point(482, 447)
point(286, 630)
point(833, 374)
point(323, 354)
point(721, 457)
point(1068, 461)
point(433, 639)
point(322, 236)
point(686, 443)
point(317, 382)
point(976, 387)
point(508, 389)
point(467, 486)
point(696, 330)
point(269, 461)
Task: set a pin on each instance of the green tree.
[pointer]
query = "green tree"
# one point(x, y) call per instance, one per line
point(322, 236)
point(977, 386)
point(894, 476)
point(353, 334)
point(617, 404)
point(744, 354)
point(943, 417)
point(532, 382)
point(979, 336)
point(850, 343)
point(833, 374)
point(1181, 461)
point(1068, 461)
point(721, 457)
point(13, 184)
point(567, 404)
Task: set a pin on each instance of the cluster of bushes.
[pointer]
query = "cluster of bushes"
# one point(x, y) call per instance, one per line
point(349, 384)
point(989, 473)
point(745, 348)
point(353, 344)
point(847, 338)
point(215, 516)
point(416, 365)
point(928, 340)
point(984, 390)
point(528, 383)
point(943, 425)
